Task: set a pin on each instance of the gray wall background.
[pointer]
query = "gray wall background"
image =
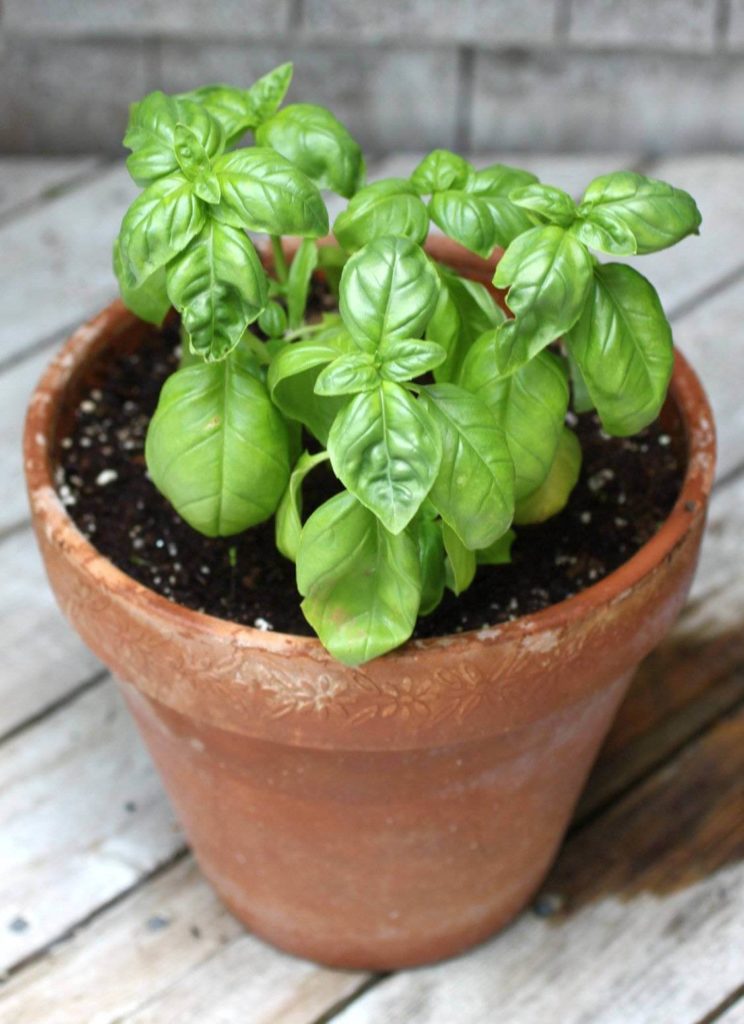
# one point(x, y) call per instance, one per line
point(652, 75)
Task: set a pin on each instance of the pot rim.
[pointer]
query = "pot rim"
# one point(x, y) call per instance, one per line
point(685, 391)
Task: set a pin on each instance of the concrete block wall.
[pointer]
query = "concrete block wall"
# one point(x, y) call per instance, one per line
point(651, 75)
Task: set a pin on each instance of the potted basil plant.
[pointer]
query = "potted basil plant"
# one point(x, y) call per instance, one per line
point(412, 411)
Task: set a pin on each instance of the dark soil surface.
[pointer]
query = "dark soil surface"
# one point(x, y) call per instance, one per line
point(627, 488)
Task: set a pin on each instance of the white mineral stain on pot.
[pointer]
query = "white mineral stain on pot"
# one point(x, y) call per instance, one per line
point(541, 642)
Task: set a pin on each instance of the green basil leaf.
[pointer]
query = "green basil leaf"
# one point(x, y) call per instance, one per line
point(498, 553)
point(158, 225)
point(348, 375)
point(549, 275)
point(388, 290)
point(292, 377)
point(386, 451)
point(611, 235)
point(217, 448)
point(439, 171)
point(229, 106)
point(499, 180)
point(288, 525)
point(301, 270)
point(361, 585)
point(408, 358)
point(388, 207)
point(581, 400)
point(266, 94)
point(191, 155)
point(530, 407)
point(623, 347)
point(554, 492)
point(555, 205)
point(318, 144)
point(478, 222)
point(149, 300)
point(273, 320)
point(465, 310)
point(151, 134)
point(461, 562)
point(431, 560)
point(656, 214)
point(261, 191)
point(474, 489)
point(219, 286)
point(331, 261)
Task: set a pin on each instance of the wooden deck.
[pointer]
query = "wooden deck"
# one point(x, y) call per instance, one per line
point(103, 915)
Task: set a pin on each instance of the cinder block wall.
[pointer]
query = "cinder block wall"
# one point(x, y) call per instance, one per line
point(654, 75)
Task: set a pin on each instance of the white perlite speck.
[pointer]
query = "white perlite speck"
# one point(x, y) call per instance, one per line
point(106, 476)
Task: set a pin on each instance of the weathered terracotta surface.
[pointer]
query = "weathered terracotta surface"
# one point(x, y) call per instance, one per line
point(392, 814)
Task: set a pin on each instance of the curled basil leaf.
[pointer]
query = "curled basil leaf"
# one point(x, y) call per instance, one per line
point(318, 144)
point(386, 451)
point(388, 290)
point(653, 212)
point(261, 191)
point(219, 287)
point(441, 170)
point(549, 274)
point(388, 207)
point(474, 489)
point(408, 358)
point(622, 346)
point(498, 553)
point(151, 134)
point(461, 562)
point(428, 534)
point(157, 226)
point(341, 544)
point(348, 375)
point(237, 110)
point(553, 493)
point(301, 270)
point(216, 447)
point(530, 407)
point(289, 513)
point(148, 300)
point(552, 204)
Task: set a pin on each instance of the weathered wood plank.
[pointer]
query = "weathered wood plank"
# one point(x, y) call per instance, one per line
point(653, 922)
point(24, 180)
point(42, 658)
point(696, 673)
point(82, 819)
point(55, 262)
point(170, 952)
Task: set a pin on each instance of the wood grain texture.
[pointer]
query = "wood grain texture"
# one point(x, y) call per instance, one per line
point(55, 262)
point(42, 659)
point(28, 180)
point(82, 819)
point(652, 925)
point(170, 952)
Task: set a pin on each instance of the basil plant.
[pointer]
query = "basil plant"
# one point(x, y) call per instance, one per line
point(442, 420)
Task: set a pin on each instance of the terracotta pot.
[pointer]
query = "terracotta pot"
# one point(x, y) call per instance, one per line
point(388, 815)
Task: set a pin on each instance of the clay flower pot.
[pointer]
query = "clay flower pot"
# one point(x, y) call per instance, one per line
point(387, 815)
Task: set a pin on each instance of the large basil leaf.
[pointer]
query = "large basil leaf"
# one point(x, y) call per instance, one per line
point(304, 262)
point(217, 448)
point(465, 310)
point(261, 191)
point(656, 214)
point(388, 290)
point(553, 204)
point(219, 286)
point(361, 585)
point(157, 226)
point(474, 489)
point(293, 374)
point(386, 451)
point(388, 207)
point(428, 534)
point(288, 526)
point(623, 347)
point(316, 142)
point(553, 493)
point(441, 170)
point(549, 274)
point(480, 215)
point(149, 301)
point(152, 129)
point(530, 407)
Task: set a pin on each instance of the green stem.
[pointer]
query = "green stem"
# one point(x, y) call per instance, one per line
point(280, 260)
